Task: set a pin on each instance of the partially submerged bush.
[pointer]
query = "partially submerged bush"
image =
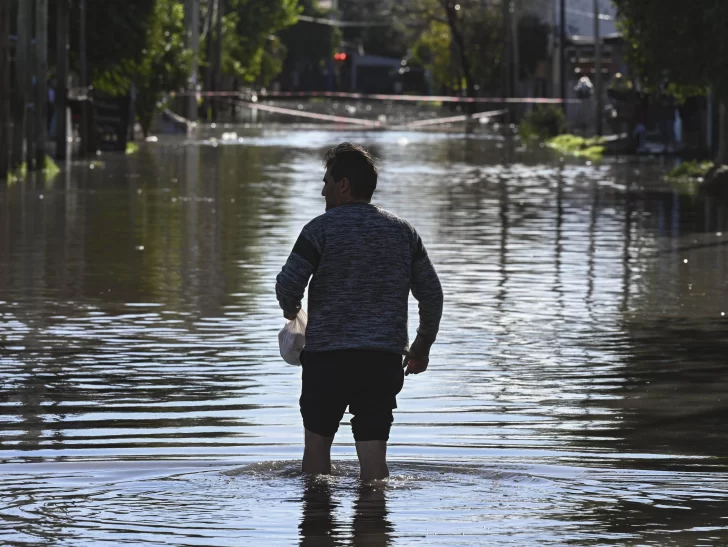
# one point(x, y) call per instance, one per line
point(578, 146)
point(692, 170)
point(543, 122)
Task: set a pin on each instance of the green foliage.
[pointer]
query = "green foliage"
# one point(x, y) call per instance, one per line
point(166, 60)
point(115, 31)
point(162, 67)
point(691, 170)
point(389, 37)
point(680, 42)
point(574, 145)
point(251, 49)
point(159, 60)
point(50, 168)
point(309, 45)
point(433, 51)
point(479, 25)
point(543, 122)
point(18, 174)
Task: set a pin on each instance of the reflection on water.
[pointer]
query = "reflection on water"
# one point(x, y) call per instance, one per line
point(319, 525)
point(576, 393)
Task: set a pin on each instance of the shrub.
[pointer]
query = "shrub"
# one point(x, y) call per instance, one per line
point(691, 170)
point(574, 145)
point(543, 122)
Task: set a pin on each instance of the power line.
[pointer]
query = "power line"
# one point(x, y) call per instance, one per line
point(588, 15)
point(337, 23)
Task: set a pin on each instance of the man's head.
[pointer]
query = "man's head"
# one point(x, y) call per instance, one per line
point(351, 175)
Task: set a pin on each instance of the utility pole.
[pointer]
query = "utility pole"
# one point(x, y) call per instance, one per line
point(29, 95)
point(193, 21)
point(4, 88)
point(41, 80)
point(562, 53)
point(21, 66)
point(218, 58)
point(507, 57)
point(62, 76)
point(209, 79)
point(598, 68)
point(85, 129)
point(515, 50)
point(18, 98)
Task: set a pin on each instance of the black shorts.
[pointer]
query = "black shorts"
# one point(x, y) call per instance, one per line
point(366, 381)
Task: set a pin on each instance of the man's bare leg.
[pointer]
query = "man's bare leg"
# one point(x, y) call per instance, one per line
point(372, 459)
point(317, 454)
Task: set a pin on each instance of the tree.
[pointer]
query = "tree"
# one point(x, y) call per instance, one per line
point(166, 60)
point(162, 66)
point(683, 44)
point(461, 44)
point(383, 34)
point(115, 31)
point(251, 49)
point(533, 40)
point(310, 46)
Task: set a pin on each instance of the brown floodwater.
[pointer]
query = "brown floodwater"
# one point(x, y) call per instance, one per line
point(577, 394)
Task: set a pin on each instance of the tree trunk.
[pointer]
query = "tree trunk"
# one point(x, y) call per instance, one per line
point(460, 42)
point(722, 157)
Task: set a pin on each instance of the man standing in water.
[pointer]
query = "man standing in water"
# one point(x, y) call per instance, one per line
point(364, 261)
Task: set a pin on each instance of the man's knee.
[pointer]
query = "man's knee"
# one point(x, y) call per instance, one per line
point(315, 440)
point(373, 426)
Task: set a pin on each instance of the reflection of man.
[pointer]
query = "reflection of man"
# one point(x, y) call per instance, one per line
point(371, 525)
point(364, 262)
point(320, 528)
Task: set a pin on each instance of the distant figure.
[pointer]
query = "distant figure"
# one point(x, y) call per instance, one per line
point(640, 122)
point(584, 91)
point(51, 110)
point(666, 122)
point(364, 262)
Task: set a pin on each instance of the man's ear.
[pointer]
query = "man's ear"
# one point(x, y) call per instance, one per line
point(345, 185)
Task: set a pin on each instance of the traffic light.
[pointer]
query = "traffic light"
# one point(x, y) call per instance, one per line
point(340, 56)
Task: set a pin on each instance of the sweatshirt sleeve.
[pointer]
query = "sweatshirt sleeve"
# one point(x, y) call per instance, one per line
point(298, 269)
point(427, 290)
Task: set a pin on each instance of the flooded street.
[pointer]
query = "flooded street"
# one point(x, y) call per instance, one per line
point(577, 393)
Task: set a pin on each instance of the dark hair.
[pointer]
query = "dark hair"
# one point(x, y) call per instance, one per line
point(355, 163)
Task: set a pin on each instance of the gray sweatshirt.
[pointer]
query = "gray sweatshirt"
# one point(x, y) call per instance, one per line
point(364, 262)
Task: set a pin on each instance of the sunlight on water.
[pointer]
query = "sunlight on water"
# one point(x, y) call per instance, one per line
point(575, 394)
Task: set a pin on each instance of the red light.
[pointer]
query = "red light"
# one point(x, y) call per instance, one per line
point(340, 56)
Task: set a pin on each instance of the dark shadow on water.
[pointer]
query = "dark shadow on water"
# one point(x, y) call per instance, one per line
point(320, 527)
point(673, 400)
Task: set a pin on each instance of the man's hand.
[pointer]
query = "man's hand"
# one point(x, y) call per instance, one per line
point(291, 315)
point(416, 365)
point(418, 356)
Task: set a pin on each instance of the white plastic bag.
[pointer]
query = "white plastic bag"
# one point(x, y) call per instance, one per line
point(292, 338)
